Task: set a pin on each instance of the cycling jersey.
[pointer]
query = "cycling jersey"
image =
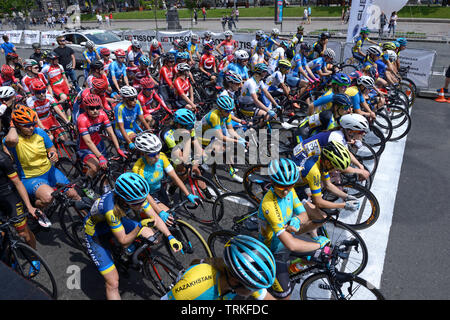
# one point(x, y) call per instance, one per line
point(91, 55)
point(156, 51)
point(274, 80)
point(274, 215)
point(213, 120)
point(43, 107)
point(271, 44)
point(298, 61)
point(54, 74)
point(381, 68)
point(167, 136)
point(250, 87)
point(133, 56)
point(78, 106)
point(92, 127)
point(276, 56)
point(208, 62)
point(317, 64)
point(359, 42)
point(182, 86)
point(8, 82)
point(106, 65)
point(147, 102)
point(201, 282)
point(324, 102)
point(312, 175)
point(127, 116)
point(228, 47)
point(192, 48)
point(26, 81)
point(7, 172)
point(153, 174)
point(166, 75)
point(30, 154)
point(140, 74)
point(256, 58)
point(117, 70)
point(322, 121)
point(355, 96)
point(239, 69)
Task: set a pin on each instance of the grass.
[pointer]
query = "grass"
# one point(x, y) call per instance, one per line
point(406, 12)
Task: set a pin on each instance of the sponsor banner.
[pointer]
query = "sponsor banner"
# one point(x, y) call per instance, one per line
point(166, 38)
point(31, 36)
point(48, 38)
point(143, 36)
point(15, 36)
point(420, 63)
point(244, 39)
point(278, 11)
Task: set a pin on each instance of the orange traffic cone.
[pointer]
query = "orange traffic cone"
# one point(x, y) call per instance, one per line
point(441, 97)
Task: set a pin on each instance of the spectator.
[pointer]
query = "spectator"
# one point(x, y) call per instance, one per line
point(309, 15)
point(204, 13)
point(107, 21)
point(110, 19)
point(383, 21)
point(6, 46)
point(66, 57)
point(446, 82)
point(343, 15)
point(223, 21)
point(305, 16)
point(237, 15)
point(195, 16)
point(230, 22)
point(393, 23)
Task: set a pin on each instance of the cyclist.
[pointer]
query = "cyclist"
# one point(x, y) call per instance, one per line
point(207, 64)
point(99, 87)
point(105, 54)
point(90, 55)
point(356, 93)
point(56, 76)
point(7, 105)
point(184, 92)
point(217, 130)
point(246, 269)
point(402, 43)
point(301, 75)
point(127, 113)
point(118, 71)
point(277, 55)
point(156, 50)
point(108, 219)
point(192, 48)
point(13, 60)
point(373, 53)
point(296, 41)
point(229, 45)
point(7, 78)
point(34, 153)
point(32, 72)
point(386, 69)
point(339, 83)
point(258, 55)
point(153, 166)
point(260, 40)
point(37, 55)
point(239, 65)
point(96, 72)
point(319, 47)
point(254, 94)
point(134, 53)
point(275, 82)
point(359, 42)
point(142, 72)
point(91, 149)
point(281, 215)
point(319, 66)
point(166, 77)
point(150, 100)
point(273, 41)
point(207, 38)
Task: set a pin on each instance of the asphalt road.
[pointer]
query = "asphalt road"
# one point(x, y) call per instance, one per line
point(417, 249)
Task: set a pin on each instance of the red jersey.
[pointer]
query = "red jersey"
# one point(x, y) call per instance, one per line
point(182, 86)
point(42, 107)
point(8, 82)
point(166, 75)
point(87, 125)
point(208, 62)
point(26, 81)
point(54, 74)
point(228, 46)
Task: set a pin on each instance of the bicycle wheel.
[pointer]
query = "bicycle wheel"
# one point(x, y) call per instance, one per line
point(369, 209)
point(208, 196)
point(337, 232)
point(401, 122)
point(194, 245)
point(375, 139)
point(383, 122)
point(217, 240)
point(348, 68)
point(67, 217)
point(367, 157)
point(68, 168)
point(160, 271)
point(21, 257)
point(257, 182)
point(80, 80)
point(231, 209)
point(77, 230)
point(409, 88)
point(318, 287)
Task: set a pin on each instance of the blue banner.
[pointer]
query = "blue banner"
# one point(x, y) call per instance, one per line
point(279, 11)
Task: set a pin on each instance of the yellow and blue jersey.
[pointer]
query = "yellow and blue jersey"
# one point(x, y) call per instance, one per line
point(274, 214)
point(312, 176)
point(355, 96)
point(30, 154)
point(153, 174)
point(359, 42)
point(201, 282)
point(127, 116)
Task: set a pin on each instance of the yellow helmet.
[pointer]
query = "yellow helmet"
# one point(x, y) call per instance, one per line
point(283, 63)
point(337, 154)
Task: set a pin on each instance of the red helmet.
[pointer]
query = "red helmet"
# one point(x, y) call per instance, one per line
point(120, 53)
point(99, 84)
point(12, 55)
point(92, 100)
point(147, 83)
point(105, 52)
point(7, 70)
point(37, 85)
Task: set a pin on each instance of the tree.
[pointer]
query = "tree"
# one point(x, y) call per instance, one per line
point(10, 6)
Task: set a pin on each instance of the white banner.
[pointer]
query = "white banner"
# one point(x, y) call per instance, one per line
point(166, 38)
point(31, 36)
point(15, 36)
point(144, 37)
point(244, 39)
point(420, 64)
point(48, 38)
point(366, 13)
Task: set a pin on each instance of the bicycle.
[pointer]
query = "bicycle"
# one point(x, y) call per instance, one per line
point(20, 256)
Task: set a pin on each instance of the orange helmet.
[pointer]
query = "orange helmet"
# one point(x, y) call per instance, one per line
point(23, 115)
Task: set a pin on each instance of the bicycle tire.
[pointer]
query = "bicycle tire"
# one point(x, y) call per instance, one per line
point(367, 157)
point(309, 288)
point(160, 271)
point(401, 123)
point(77, 229)
point(217, 239)
point(408, 87)
point(234, 205)
point(256, 182)
point(194, 245)
point(375, 139)
point(68, 168)
point(348, 68)
point(22, 255)
point(199, 213)
point(337, 232)
point(384, 123)
point(67, 219)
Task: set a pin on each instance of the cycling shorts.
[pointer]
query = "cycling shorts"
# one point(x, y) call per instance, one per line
point(86, 154)
point(282, 286)
point(358, 56)
point(51, 178)
point(59, 89)
point(249, 110)
point(12, 205)
point(50, 122)
point(99, 247)
point(120, 136)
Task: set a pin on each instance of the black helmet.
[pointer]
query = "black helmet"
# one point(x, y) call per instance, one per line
point(52, 55)
point(36, 45)
point(325, 35)
point(97, 64)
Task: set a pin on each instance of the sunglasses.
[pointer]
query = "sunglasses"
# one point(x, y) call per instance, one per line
point(94, 108)
point(152, 155)
point(28, 125)
point(131, 99)
point(41, 91)
point(284, 188)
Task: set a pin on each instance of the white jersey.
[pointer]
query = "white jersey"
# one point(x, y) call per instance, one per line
point(276, 55)
point(250, 87)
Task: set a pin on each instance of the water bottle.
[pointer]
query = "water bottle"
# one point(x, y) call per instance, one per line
point(297, 265)
point(130, 249)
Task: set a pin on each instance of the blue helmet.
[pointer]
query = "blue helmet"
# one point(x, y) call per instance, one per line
point(342, 99)
point(341, 79)
point(182, 55)
point(402, 42)
point(185, 117)
point(260, 68)
point(225, 103)
point(250, 261)
point(145, 60)
point(283, 171)
point(131, 187)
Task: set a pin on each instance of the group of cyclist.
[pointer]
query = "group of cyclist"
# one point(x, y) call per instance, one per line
point(122, 101)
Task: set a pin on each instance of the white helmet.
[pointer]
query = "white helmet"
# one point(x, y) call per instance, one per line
point(355, 122)
point(136, 44)
point(275, 31)
point(148, 142)
point(183, 67)
point(375, 50)
point(330, 53)
point(195, 36)
point(154, 42)
point(207, 34)
point(241, 55)
point(228, 33)
point(89, 44)
point(128, 92)
point(7, 92)
point(260, 33)
point(366, 81)
point(392, 55)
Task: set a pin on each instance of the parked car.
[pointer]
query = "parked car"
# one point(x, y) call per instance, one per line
point(76, 39)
